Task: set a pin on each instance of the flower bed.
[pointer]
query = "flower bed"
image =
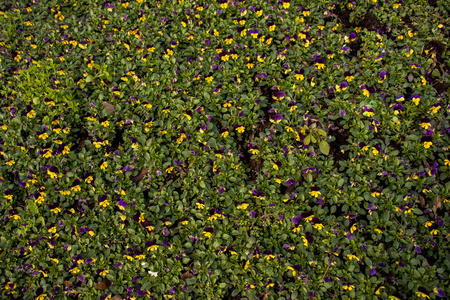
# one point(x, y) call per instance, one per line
point(224, 149)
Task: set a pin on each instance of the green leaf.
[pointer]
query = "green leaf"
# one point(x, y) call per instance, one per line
point(89, 78)
point(33, 207)
point(191, 281)
point(322, 132)
point(324, 147)
point(40, 220)
point(307, 139)
point(436, 73)
point(110, 277)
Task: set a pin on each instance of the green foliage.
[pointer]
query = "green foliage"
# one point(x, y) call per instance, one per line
point(213, 149)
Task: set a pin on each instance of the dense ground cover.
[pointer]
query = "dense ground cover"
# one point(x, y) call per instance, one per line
point(224, 150)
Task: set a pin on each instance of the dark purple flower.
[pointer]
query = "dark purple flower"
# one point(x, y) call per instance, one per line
point(319, 201)
point(309, 237)
point(291, 182)
point(39, 291)
point(122, 203)
point(276, 118)
point(296, 220)
point(262, 75)
point(343, 85)
point(384, 74)
point(279, 95)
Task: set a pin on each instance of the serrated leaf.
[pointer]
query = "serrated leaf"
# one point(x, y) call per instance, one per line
point(324, 147)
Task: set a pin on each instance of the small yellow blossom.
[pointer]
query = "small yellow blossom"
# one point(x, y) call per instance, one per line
point(315, 193)
point(422, 295)
point(254, 151)
point(351, 256)
point(153, 248)
point(104, 203)
point(318, 226)
point(305, 241)
point(243, 206)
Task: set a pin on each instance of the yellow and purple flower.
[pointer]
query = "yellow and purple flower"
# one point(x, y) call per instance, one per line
point(208, 232)
point(315, 191)
point(415, 99)
point(279, 95)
